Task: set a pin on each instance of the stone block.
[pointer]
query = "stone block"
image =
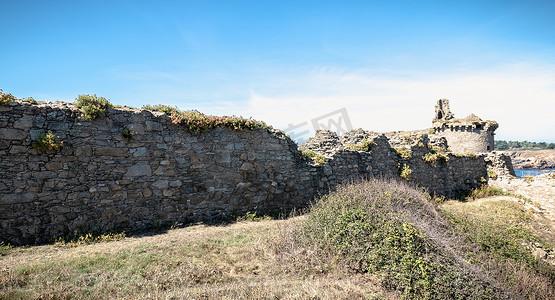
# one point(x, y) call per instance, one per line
point(161, 184)
point(12, 134)
point(19, 149)
point(139, 170)
point(139, 152)
point(51, 166)
point(24, 122)
point(247, 167)
point(59, 126)
point(112, 151)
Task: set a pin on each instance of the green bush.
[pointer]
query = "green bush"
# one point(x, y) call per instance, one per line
point(93, 107)
point(47, 142)
point(384, 227)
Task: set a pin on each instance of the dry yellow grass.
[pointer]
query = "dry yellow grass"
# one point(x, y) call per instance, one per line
point(238, 261)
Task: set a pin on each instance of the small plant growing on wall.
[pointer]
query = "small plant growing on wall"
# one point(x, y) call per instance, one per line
point(432, 157)
point(30, 100)
point(366, 145)
point(93, 107)
point(47, 142)
point(6, 98)
point(317, 158)
point(492, 174)
point(471, 155)
point(127, 133)
point(404, 171)
point(402, 152)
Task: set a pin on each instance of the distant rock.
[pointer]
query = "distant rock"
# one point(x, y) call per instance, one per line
point(533, 159)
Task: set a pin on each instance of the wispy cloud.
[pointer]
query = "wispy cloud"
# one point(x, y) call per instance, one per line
point(521, 97)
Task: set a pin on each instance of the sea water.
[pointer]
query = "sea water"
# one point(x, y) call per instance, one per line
point(520, 173)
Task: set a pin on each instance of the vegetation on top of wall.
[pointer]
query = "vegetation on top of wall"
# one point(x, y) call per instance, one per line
point(492, 174)
point(402, 152)
point(47, 142)
point(435, 155)
point(93, 107)
point(317, 158)
point(522, 145)
point(5, 98)
point(30, 100)
point(197, 122)
point(365, 145)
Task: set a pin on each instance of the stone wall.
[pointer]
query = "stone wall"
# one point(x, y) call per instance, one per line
point(101, 181)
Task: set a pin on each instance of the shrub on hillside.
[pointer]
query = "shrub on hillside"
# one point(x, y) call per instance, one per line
point(93, 107)
point(389, 228)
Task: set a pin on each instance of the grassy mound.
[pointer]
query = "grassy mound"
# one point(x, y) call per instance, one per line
point(504, 237)
point(389, 228)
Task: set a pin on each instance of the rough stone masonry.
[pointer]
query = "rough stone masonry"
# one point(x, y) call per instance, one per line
point(101, 181)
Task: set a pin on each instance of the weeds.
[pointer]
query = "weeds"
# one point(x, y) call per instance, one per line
point(483, 192)
point(47, 142)
point(253, 217)
point(365, 145)
point(311, 155)
point(5, 248)
point(471, 155)
point(93, 107)
point(432, 157)
point(492, 174)
point(404, 171)
point(6, 98)
point(127, 133)
point(88, 238)
point(197, 122)
point(30, 100)
point(402, 152)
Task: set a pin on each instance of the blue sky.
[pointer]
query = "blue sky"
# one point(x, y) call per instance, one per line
point(288, 62)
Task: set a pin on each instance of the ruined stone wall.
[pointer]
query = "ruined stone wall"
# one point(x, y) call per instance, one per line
point(100, 181)
point(164, 174)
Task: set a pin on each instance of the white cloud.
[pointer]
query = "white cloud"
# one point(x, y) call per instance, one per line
point(520, 97)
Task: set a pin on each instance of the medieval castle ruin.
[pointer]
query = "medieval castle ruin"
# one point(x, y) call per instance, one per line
point(470, 134)
point(104, 178)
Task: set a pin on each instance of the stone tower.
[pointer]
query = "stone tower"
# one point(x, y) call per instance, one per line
point(442, 111)
point(470, 134)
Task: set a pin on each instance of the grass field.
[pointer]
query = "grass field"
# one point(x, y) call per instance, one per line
point(237, 261)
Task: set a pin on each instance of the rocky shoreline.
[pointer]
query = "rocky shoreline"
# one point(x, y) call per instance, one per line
point(532, 159)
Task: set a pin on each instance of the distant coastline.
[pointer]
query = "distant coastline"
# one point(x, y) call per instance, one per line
point(532, 159)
